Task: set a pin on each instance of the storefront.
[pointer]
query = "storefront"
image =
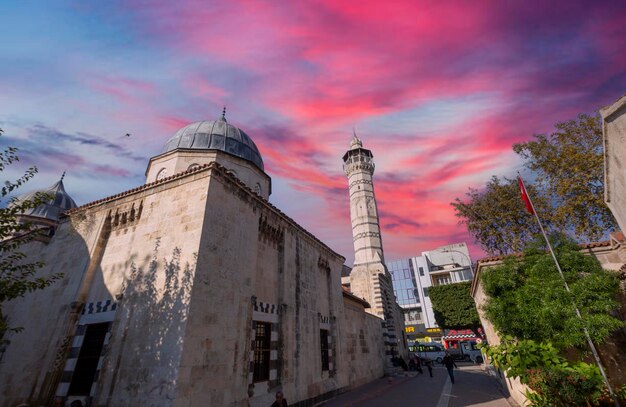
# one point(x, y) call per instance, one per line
point(453, 337)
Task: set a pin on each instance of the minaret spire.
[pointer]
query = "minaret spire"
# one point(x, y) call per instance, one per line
point(224, 113)
point(356, 142)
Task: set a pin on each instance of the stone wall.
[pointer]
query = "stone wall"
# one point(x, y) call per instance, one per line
point(130, 261)
point(266, 269)
point(614, 131)
point(183, 271)
point(361, 348)
point(515, 388)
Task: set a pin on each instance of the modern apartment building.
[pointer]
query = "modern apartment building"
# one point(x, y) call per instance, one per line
point(413, 277)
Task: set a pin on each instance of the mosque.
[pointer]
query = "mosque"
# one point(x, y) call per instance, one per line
point(194, 290)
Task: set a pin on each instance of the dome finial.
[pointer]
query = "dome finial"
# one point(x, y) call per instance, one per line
point(224, 113)
point(356, 143)
point(63, 175)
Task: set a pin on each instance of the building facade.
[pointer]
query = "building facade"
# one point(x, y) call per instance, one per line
point(614, 135)
point(190, 290)
point(412, 279)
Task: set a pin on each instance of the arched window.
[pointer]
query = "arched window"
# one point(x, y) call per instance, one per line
point(162, 174)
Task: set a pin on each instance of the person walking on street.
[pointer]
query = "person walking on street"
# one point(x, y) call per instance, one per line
point(429, 365)
point(448, 362)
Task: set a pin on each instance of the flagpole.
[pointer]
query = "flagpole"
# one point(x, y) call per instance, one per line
point(558, 266)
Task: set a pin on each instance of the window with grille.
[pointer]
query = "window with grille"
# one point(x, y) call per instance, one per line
point(88, 357)
point(324, 348)
point(262, 341)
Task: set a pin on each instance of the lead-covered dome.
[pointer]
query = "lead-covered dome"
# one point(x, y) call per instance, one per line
point(59, 201)
point(216, 135)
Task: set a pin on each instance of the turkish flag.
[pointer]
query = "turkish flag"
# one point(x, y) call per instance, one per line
point(525, 197)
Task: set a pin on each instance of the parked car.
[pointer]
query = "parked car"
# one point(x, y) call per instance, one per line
point(471, 352)
point(467, 351)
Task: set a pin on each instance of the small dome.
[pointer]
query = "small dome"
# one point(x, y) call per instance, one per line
point(59, 202)
point(216, 135)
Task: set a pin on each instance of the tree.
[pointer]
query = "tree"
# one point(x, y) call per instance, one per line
point(569, 165)
point(454, 306)
point(17, 273)
point(528, 300)
point(567, 193)
point(497, 218)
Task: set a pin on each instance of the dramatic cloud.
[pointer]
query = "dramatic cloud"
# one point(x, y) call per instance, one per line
point(439, 91)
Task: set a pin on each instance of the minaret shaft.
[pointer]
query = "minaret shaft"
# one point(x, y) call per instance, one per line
point(368, 246)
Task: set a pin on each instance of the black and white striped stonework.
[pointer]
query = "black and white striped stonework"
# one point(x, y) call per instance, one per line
point(100, 306)
point(264, 307)
point(93, 313)
point(263, 312)
point(273, 379)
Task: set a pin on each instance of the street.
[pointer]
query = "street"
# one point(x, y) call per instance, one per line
point(472, 387)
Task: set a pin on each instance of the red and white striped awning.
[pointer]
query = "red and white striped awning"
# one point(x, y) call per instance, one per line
point(459, 336)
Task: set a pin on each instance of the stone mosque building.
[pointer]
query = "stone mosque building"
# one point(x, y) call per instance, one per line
point(194, 290)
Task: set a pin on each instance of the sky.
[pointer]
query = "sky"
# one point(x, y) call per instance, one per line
point(439, 91)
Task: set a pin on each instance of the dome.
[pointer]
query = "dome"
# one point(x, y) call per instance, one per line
point(59, 202)
point(216, 135)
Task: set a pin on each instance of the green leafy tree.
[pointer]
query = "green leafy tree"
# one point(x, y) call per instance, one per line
point(570, 169)
point(454, 306)
point(17, 273)
point(528, 300)
point(497, 218)
point(567, 192)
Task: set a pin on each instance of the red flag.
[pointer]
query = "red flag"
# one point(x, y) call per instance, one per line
point(525, 197)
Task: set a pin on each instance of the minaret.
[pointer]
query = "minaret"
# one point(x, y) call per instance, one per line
point(358, 165)
point(369, 278)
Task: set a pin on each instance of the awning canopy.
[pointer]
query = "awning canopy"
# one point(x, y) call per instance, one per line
point(459, 336)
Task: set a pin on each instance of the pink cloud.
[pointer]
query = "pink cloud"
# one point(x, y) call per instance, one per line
point(110, 170)
point(320, 67)
point(125, 90)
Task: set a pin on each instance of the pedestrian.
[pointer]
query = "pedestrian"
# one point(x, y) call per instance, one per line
point(281, 401)
point(403, 364)
point(429, 365)
point(448, 362)
point(418, 364)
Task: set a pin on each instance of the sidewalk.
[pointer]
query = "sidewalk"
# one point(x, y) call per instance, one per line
point(473, 387)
